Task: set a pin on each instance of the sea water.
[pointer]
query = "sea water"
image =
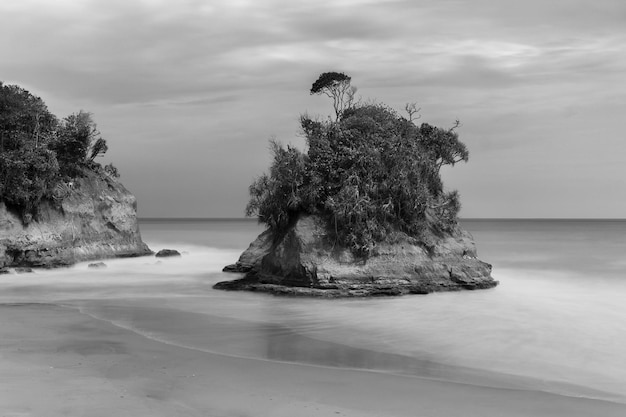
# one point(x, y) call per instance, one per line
point(556, 322)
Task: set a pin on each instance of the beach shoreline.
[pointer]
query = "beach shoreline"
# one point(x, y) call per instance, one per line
point(57, 361)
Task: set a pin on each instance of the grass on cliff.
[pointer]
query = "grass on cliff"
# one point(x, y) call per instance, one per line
point(370, 173)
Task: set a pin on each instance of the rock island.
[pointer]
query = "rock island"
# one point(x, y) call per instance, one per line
point(363, 212)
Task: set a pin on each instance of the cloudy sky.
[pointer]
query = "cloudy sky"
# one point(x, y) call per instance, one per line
point(187, 93)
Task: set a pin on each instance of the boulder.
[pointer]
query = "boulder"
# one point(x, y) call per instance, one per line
point(305, 261)
point(164, 253)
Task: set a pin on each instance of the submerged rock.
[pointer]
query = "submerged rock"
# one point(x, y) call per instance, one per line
point(163, 253)
point(304, 261)
point(96, 219)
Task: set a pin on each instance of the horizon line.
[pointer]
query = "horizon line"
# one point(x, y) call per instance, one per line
point(461, 218)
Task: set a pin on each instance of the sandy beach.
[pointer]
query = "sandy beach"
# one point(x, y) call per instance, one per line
point(56, 361)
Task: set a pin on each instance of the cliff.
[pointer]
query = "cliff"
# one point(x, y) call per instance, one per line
point(303, 261)
point(95, 217)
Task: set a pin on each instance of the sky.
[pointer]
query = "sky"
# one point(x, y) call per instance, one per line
point(188, 93)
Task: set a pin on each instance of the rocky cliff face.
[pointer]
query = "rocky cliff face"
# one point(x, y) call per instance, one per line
point(95, 219)
point(304, 262)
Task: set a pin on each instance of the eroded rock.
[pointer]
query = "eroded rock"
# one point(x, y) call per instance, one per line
point(304, 261)
point(97, 219)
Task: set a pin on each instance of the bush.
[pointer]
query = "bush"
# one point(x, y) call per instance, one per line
point(24, 119)
point(371, 173)
point(276, 198)
point(77, 143)
point(28, 175)
point(36, 149)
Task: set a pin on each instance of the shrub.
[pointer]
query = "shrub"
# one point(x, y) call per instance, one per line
point(36, 149)
point(278, 196)
point(24, 119)
point(370, 173)
point(77, 143)
point(28, 175)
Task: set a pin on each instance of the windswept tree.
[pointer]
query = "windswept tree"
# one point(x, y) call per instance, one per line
point(335, 85)
point(96, 149)
point(443, 145)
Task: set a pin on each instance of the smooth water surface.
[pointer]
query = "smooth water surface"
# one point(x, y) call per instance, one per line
point(556, 322)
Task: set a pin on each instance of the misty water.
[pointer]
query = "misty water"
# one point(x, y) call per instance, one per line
point(556, 322)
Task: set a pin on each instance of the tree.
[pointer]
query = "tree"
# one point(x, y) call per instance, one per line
point(276, 197)
point(28, 169)
point(97, 148)
point(443, 145)
point(24, 119)
point(412, 110)
point(335, 85)
point(27, 175)
point(78, 142)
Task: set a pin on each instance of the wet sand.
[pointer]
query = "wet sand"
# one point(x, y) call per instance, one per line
point(55, 361)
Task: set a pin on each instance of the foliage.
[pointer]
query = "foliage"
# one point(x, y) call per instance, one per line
point(371, 173)
point(28, 175)
point(443, 145)
point(37, 151)
point(278, 196)
point(24, 119)
point(98, 148)
point(335, 85)
point(78, 143)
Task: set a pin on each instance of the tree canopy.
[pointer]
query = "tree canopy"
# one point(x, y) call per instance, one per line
point(24, 119)
point(335, 85)
point(37, 151)
point(370, 173)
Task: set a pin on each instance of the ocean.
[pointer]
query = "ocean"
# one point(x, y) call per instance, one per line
point(556, 322)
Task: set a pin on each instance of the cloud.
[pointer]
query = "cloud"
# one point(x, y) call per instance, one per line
point(188, 91)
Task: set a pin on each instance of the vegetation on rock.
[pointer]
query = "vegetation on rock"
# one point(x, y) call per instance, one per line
point(371, 173)
point(40, 154)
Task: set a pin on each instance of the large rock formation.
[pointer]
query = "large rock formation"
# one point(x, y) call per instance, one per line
point(95, 218)
point(303, 261)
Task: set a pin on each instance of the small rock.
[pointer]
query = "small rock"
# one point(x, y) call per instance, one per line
point(167, 252)
point(23, 270)
point(97, 265)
